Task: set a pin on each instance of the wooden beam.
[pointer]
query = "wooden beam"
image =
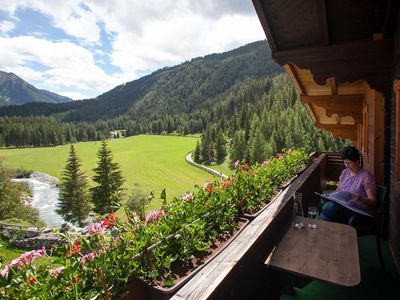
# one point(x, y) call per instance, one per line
point(354, 100)
point(342, 105)
point(295, 77)
point(347, 62)
point(339, 127)
point(322, 20)
point(264, 23)
point(311, 112)
point(344, 131)
point(332, 84)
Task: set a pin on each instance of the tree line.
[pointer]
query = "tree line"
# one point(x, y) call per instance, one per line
point(252, 131)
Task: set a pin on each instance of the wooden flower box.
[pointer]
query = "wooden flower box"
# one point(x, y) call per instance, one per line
point(183, 272)
point(266, 202)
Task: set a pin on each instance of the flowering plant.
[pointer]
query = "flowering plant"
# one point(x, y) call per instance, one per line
point(112, 253)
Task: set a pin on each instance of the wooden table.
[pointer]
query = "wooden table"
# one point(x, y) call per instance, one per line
point(328, 253)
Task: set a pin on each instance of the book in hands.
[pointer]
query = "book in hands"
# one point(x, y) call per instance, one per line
point(346, 199)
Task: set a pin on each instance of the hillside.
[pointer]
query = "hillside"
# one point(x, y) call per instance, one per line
point(16, 91)
point(168, 91)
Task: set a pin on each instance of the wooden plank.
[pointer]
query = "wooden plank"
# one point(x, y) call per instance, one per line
point(328, 253)
point(332, 84)
point(295, 77)
point(264, 23)
point(322, 20)
point(354, 100)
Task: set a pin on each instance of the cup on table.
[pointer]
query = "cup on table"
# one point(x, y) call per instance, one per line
point(312, 215)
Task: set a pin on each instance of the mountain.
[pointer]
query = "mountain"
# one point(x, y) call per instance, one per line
point(16, 91)
point(177, 90)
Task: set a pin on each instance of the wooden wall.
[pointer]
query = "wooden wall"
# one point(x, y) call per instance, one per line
point(394, 205)
point(373, 136)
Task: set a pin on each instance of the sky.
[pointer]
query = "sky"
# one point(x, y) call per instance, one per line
point(81, 49)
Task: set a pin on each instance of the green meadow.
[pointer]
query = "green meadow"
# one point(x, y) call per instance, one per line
point(154, 162)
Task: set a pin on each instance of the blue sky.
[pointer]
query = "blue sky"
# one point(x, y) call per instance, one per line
point(82, 49)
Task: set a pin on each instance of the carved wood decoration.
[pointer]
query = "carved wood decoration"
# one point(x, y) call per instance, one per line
point(366, 60)
point(342, 105)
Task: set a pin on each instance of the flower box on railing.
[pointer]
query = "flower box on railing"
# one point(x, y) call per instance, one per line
point(181, 271)
point(252, 215)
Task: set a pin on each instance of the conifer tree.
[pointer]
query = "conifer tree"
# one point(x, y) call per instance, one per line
point(73, 203)
point(106, 195)
point(196, 154)
point(220, 148)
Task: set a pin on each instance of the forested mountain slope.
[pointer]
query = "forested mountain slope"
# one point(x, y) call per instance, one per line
point(178, 89)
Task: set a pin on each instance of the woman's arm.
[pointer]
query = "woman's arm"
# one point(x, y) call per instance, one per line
point(370, 200)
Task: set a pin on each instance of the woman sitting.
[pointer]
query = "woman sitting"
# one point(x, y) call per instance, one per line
point(357, 181)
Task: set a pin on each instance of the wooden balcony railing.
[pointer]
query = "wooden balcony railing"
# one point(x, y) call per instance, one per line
point(239, 271)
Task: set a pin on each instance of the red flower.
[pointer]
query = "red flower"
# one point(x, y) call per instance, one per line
point(75, 248)
point(209, 189)
point(110, 220)
point(32, 280)
point(246, 166)
point(77, 279)
point(226, 184)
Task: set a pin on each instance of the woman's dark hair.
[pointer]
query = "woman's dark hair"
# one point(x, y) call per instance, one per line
point(351, 153)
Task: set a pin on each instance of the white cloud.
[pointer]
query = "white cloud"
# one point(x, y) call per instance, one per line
point(66, 65)
point(6, 27)
point(71, 16)
point(143, 36)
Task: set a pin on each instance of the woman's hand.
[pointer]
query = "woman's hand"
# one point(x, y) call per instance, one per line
point(355, 197)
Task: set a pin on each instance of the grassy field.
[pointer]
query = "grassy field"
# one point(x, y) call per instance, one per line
point(154, 162)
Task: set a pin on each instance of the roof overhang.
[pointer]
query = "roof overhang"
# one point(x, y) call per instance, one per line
point(334, 51)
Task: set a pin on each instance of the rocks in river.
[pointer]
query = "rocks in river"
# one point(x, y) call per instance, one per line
point(31, 232)
point(27, 200)
point(43, 177)
point(47, 230)
point(44, 240)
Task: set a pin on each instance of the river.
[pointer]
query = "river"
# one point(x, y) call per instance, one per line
point(45, 198)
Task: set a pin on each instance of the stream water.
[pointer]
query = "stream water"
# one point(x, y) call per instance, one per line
point(45, 198)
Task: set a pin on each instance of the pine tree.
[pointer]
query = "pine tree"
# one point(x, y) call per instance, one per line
point(220, 148)
point(73, 201)
point(196, 154)
point(106, 195)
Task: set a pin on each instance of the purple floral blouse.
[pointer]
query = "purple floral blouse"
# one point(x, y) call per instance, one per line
point(357, 184)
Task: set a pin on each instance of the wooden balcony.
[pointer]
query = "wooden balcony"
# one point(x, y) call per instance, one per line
point(239, 271)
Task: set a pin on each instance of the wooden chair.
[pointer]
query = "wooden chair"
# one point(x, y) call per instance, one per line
point(375, 227)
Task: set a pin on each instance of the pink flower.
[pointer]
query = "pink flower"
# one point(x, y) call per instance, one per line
point(237, 164)
point(90, 256)
point(23, 260)
point(96, 228)
point(205, 186)
point(265, 163)
point(57, 271)
point(154, 216)
point(187, 197)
